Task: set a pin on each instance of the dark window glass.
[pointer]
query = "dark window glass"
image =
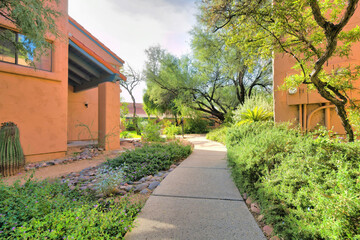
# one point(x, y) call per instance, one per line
point(9, 54)
point(7, 47)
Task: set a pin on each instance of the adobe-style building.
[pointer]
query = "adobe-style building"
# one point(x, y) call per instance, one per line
point(73, 93)
point(308, 109)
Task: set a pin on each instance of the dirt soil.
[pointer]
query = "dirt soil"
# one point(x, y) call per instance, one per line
point(57, 171)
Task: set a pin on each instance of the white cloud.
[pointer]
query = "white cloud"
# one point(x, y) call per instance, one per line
point(128, 27)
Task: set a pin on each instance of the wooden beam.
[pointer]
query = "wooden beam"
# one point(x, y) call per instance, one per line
point(79, 73)
point(92, 84)
point(83, 64)
point(75, 79)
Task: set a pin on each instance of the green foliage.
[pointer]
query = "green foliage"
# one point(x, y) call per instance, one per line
point(218, 134)
point(11, 154)
point(307, 188)
point(196, 125)
point(300, 30)
point(255, 115)
point(33, 18)
point(171, 130)
point(40, 209)
point(150, 131)
point(109, 180)
point(129, 125)
point(149, 159)
point(129, 134)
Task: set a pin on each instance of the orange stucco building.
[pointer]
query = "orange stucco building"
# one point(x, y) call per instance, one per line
point(305, 108)
point(72, 94)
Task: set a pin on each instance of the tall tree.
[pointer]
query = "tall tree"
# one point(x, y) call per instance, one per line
point(205, 82)
point(310, 31)
point(34, 19)
point(133, 80)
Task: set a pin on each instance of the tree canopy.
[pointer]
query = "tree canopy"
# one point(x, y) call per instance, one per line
point(34, 19)
point(311, 32)
point(214, 79)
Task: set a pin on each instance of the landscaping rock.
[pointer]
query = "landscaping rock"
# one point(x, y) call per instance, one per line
point(153, 185)
point(165, 175)
point(141, 187)
point(260, 218)
point(275, 238)
point(268, 230)
point(159, 174)
point(173, 166)
point(255, 208)
point(148, 178)
point(144, 191)
point(248, 201)
point(244, 196)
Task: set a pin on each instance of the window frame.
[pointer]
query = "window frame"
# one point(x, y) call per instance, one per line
point(17, 53)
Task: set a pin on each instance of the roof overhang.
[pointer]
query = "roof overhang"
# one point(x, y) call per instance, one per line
point(86, 69)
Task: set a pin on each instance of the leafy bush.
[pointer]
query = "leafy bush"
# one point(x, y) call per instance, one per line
point(308, 188)
point(149, 159)
point(129, 125)
point(196, 125)
point(218, 134)
point(40, 210)
point(150, 131)
point(171, 130)
point(129, 134)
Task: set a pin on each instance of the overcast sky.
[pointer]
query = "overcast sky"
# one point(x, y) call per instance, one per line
point(128, 27)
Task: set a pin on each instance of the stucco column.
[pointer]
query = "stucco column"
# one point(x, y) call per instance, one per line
point(109, 115)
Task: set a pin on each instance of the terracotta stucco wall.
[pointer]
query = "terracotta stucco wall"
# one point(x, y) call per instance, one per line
point(37, 100)
point(93, 45)
point(287, 106)
point(79, 114)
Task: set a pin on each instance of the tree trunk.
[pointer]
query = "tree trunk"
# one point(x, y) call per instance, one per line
point(135, 120)
point(345, 121)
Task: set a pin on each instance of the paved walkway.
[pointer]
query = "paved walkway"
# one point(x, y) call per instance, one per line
point(198, 200)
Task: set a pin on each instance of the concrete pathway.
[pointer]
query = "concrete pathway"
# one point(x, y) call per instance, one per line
point(198, 200)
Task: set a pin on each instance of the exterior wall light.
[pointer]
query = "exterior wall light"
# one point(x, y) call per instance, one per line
point(293, 90)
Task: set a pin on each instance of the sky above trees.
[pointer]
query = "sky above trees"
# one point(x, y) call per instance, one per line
point(130, 27)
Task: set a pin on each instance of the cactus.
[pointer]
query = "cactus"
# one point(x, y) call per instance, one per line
point(11, 154)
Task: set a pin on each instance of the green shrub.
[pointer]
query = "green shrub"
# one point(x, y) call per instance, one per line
point(263, 101)
point(196, 125)
point(255, 115)
point(150, 131)
point(218, 134)
point(37, 210)
point(171, 131)
point(307, 188)
point(149, 159)
point(129, 125)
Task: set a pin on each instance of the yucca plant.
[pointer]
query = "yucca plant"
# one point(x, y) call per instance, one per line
point(11, 154)
point(255, 115)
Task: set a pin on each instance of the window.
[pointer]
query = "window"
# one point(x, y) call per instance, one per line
point(8, 52)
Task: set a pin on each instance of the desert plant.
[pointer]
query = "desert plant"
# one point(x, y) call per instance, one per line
point(11, 154)
point(110, 179)
point(264, 101)
point(255, 115)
